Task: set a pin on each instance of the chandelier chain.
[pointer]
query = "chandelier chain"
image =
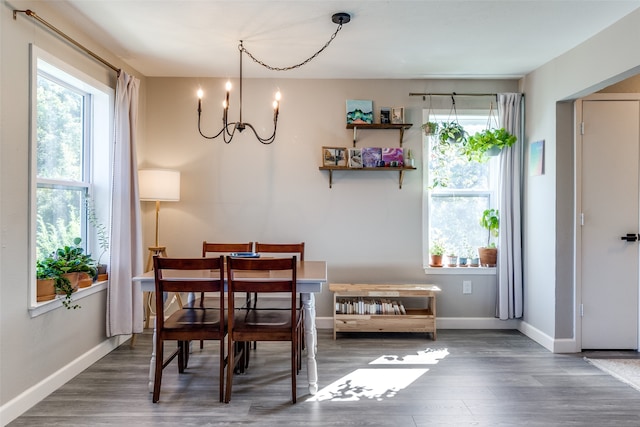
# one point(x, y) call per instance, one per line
point(269, 67)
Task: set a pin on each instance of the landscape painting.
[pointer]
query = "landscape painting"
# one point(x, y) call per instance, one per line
point(359, 111)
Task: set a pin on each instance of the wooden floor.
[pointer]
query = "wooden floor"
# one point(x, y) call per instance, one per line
point(466, 378)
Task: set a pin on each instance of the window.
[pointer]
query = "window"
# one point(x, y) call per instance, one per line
point(70, 136)
point(457, 191)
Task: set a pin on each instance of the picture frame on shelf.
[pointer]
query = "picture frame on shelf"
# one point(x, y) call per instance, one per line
point(359, 111)
point(371, 157)
point(334, 156)
point(397, 115)
point(385, 115)
point(393, 157)
point(355, 158)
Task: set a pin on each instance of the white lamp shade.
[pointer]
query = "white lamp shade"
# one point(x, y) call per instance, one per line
point(159, 185)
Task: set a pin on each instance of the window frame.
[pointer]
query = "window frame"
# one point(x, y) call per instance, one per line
point(427, 194)
point(96, 172)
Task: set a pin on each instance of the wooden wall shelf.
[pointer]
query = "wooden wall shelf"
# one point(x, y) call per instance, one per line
point(382, 169)
point(398, 126)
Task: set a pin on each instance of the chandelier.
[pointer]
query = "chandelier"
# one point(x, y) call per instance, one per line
point(229, 129)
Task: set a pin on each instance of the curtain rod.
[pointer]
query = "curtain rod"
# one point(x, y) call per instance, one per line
point(452, 94)
point(32, 14)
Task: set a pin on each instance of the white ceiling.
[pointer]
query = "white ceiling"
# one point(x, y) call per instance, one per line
point(385, 39)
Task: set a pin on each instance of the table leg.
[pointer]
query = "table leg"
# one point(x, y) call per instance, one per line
point(310, 336)
point(152, 362)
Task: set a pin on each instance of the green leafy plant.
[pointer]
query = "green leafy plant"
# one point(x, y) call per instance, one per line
point(490, 220)
point(430, 128)
point(68, 259)
point(437, 248)
point(477, 146)
point(101, 230)
point(452, 133)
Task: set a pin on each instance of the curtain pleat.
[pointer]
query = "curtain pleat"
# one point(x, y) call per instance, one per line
point(509, 294)
point(124, 297)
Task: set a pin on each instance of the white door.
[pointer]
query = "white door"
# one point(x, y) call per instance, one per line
point(610, 163)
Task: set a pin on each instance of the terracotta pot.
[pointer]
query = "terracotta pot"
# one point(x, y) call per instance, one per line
point(436, 261)
point(84, 280)
point(488, 257)
point(45, 290)
point(103, 277)
point(73, 280)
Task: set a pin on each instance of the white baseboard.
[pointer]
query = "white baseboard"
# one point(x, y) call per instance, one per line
point(554, 345)
point(28, 398)
point(475, 323)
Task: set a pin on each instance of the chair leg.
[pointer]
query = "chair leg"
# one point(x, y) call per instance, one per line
point(221, 370)
point(157, 378)
point(230, 368)
point(294, 367)
point(181, 357)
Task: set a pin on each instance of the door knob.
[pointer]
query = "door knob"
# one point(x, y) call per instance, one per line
point(630, 237)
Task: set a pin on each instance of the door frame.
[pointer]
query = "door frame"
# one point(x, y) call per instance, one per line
point(577, 145)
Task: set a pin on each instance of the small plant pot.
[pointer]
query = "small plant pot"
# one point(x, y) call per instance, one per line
point(452, 261)
point(463, 261)
point(436, 261)
point(73, 281)
point(488, 256)
point(84, 280)
point(474, 262)
point(46, 290)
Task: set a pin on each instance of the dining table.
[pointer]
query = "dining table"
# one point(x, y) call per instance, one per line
point(310, 277)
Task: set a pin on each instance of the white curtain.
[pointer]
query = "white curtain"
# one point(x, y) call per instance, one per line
point(124, 298)
point(509, 293)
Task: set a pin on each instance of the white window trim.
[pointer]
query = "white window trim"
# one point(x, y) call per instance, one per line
point(461, 271)
point(101, 148)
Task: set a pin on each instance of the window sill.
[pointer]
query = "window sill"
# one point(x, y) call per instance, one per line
point(47, 306)
point(462, 271)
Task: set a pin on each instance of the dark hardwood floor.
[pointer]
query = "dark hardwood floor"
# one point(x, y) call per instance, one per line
point(466, 378)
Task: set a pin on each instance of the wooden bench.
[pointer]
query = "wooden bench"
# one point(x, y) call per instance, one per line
point(369, 308)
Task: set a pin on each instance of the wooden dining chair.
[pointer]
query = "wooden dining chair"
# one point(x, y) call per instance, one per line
point(280, 248)
point(193, 322)
point(244, 326)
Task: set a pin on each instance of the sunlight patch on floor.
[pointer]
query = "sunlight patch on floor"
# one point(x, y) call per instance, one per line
point(364, 384)
point(428, 357)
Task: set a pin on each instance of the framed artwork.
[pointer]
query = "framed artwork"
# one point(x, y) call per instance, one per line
point(385, 115)
point(371, 157)
point(355, 158)
point(334, 156)
point(397, 115)
point(393, 157)
point(359, 111)
point(536, 158)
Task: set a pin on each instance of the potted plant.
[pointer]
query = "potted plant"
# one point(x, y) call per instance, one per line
point(452, 133)
point(435, 252)
point(410, 159)
point(103, 239)
point(430, 128)
point(452, 259)
point(486, 143)
point(490, 220)
point(66, 264)
point(46, 276)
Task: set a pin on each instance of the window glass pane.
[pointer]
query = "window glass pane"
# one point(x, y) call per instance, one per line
point(58, 218)
point(454, 221)
point(59, 131)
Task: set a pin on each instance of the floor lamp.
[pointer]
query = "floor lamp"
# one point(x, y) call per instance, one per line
point(158, 185)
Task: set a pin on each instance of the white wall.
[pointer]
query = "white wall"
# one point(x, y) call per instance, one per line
point(549, 220)
point(36, 354)
point(367, 229)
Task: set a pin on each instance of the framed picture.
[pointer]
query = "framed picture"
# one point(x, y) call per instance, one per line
point(334, 156)
point(359, 111)
point(393, 157)
point(355, 158)
point(397, 115)
point(385, 115)
point(372, 157)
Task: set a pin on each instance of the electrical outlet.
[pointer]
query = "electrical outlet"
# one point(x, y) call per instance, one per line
point(466, 286)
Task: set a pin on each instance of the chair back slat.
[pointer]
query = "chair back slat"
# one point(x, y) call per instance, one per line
point(281, 248)
point(225, 248)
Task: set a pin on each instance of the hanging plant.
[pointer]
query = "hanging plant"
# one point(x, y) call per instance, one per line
point(451, 132)
point(430, 128)
point(489, 142)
